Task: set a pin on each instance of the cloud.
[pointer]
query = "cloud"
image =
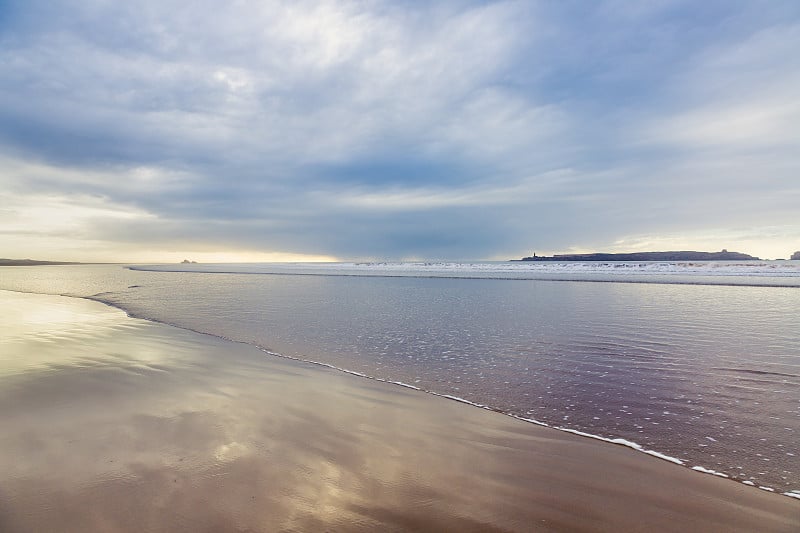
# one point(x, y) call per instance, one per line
point(457, 129)
point(738, 97)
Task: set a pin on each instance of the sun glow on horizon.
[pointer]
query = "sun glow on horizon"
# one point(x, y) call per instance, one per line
point(228, 257)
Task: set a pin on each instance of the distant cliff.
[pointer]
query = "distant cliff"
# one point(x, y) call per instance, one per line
point(724, 255)
point(31, 262)
point(795, 256)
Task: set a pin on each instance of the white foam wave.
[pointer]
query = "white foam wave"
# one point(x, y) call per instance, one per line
point(784, 273)
point(709, 471)
point(618, 441)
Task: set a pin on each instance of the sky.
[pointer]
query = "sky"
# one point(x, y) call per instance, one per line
point(257, 130)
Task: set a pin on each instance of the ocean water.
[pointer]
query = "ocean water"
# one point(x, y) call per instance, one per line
point(695, 362)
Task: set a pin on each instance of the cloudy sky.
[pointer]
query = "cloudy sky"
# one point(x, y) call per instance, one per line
point(266, 130)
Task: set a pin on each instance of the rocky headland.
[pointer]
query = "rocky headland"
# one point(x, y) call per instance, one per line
point(724, 255)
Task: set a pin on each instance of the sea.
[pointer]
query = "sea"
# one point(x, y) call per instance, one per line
point(697, 363)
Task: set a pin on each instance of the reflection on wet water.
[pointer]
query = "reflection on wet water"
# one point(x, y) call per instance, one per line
point(169, 430)
point(707, 374)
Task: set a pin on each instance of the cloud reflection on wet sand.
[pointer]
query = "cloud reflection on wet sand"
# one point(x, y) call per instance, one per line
point(135, 426)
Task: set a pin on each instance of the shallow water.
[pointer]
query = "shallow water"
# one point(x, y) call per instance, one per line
point(116, 424)
point(707, 374)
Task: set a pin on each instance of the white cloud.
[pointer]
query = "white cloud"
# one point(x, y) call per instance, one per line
point(744, 126)
point(73, 216)
point(742, 96)
point(302, 80)
point(499, 125)
point(307, 125)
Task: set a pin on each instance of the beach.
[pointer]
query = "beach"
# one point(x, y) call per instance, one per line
point(118, 424)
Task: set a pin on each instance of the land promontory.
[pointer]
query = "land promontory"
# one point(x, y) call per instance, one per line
point(32, 262)
point(724, 255)
point(795, 256)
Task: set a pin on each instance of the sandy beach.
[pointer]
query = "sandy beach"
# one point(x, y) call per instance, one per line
point(117, 424)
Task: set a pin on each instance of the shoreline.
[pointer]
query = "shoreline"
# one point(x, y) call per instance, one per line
point(370, 451)
point(617, 441)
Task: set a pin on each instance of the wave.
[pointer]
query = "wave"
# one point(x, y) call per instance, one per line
point(757, 372)
point(740, 273)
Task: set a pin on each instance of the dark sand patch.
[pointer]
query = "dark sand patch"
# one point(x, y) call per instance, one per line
point(116, 424)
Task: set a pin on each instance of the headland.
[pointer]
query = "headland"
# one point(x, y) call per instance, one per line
point(724, 255)
point(32, 262)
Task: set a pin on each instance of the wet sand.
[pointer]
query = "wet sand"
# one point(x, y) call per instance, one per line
point(116, 424)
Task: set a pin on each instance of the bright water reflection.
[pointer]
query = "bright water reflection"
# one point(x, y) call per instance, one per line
point(707, 374)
